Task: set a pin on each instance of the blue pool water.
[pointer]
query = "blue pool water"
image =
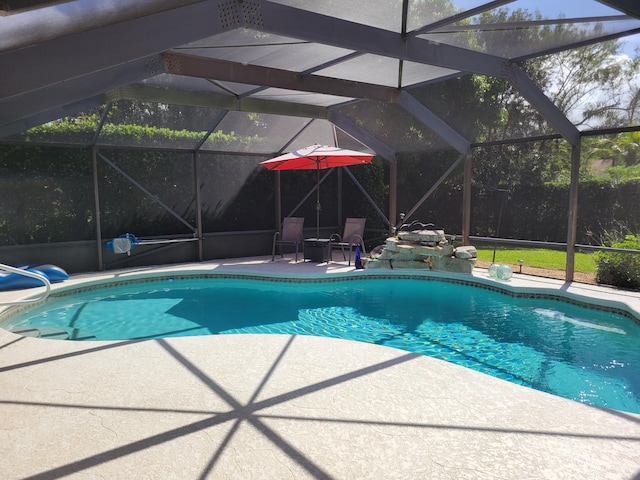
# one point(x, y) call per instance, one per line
point(587, 355)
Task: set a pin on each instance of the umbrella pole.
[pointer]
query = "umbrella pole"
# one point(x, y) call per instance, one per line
point(317, 200)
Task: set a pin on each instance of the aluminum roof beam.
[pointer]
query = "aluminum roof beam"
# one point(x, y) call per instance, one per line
point(363, 136)
point(223, 70)
point(72, 91)
point(543, 104)
point(293, 22)
point(460, 16)
point(496, 27)
point(630, 7)
point(435, 123)
point(316, 68)
point(22, 125)
point(217, 100)
point(66, 57)
point(574, 45)
point(66, 17)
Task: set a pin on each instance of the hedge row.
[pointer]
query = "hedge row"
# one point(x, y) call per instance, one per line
point(48, 197)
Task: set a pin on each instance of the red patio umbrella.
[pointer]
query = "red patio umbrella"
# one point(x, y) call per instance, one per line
point(317, 157)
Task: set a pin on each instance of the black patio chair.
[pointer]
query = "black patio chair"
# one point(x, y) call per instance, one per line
point(352, 236)
point(291, 235)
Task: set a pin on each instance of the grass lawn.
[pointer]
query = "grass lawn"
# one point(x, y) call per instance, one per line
point(537, 257)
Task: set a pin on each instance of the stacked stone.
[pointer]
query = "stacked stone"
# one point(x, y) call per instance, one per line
point(424, 249)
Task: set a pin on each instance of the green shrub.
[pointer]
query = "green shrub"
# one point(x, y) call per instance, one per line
point(620, 269)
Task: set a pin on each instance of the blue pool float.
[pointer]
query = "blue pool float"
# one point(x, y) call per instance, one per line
point(53, 272)
point(14, 281)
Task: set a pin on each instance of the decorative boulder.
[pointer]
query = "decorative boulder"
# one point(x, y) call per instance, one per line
point(427, 237)
point(466, 252)
point(423, 249)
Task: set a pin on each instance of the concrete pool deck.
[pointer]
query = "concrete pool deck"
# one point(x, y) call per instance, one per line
point(280, 406)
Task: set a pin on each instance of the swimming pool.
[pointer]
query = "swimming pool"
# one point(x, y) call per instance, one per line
point(592, 356)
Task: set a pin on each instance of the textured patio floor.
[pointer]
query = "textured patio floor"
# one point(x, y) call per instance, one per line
point(279, 406)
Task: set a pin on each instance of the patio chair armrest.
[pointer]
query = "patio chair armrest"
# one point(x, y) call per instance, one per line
point(275, 236)
point(335, 238)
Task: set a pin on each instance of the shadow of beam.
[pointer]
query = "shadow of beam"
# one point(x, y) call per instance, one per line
point(133, 447)
point(246, 413)
point(618, 413)
point(19, 339)
point(68, 355)
point(294, 393)
point(429, 426)
point(107, 408)
point(236, 426)
point(330, 420)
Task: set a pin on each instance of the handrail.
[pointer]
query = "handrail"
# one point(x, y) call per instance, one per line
point(27, 273)
point(549, 245)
